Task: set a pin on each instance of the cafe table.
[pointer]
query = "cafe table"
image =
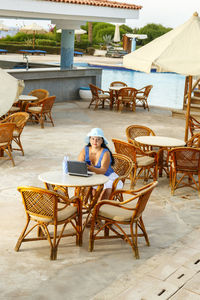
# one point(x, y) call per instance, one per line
point(114, 90)
point(163, 143)
point(83, 187)
point(23, 99)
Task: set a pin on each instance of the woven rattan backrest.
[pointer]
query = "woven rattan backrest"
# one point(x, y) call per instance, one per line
point(48, 103)
point(118, 83)
point(125, 148)
point(38, 201)
point(127, 94)
point(123, 164)
point(186, 158)
point(194, 141)
point(193, 125)
point(147, 90)
point(19, 119)
point(6, 132)
point(39, 93)
point(134, 131)
point(94, 90)
point(143, 199)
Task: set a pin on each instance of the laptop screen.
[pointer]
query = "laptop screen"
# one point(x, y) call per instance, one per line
point(77, 167)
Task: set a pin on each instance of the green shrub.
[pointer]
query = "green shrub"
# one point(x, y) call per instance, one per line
point(82, 44)
point(45, 42)
point(14, 48)
point(90, 50)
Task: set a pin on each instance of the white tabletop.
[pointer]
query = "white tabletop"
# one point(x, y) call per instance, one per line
point(160, 141)
point(27, 98)
point(116, 88)
point(58, 178)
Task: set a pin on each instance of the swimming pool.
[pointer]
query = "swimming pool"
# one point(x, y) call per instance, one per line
point(168, 88)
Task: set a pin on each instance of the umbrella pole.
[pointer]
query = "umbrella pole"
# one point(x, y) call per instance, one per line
point(188, 108)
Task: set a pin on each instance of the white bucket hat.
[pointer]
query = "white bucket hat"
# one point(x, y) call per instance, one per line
point(95, 132)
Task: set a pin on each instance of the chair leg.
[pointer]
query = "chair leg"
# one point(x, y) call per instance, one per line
point(20, 240)
point(91, 242)
point(142, 227)
point(10, 155)
point(18, 142)
point(134, 241)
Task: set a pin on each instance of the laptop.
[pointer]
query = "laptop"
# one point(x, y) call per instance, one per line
point(78, 168)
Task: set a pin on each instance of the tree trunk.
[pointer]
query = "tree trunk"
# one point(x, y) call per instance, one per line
point(90, 32)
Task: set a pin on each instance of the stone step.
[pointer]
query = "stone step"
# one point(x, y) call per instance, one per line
point(195, 100)
point(179, 113)
point(197, 93)
point(193, 107)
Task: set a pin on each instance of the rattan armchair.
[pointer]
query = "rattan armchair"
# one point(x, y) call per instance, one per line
point(185, 163)
point(194, 125)
point(6, 135)
point(134, 131)
point(19, 119)
point(144, 163)
point(44, 208)
point(126, 99)
point(41, 111)
point(118, 83)
point(142, 96)
point(39, 93)
point(114, 215)
point(99, 97)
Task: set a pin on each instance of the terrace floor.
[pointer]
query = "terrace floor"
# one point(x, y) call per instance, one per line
point(110, 271)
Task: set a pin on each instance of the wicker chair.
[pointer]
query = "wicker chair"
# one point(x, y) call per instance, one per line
point(185, 161)
point(194, 125)
point(134, 131)
point(44, 208)
point(41, 111)
point(142, 96)
point(6, 135)
point(39, 93)
point(99, 97)
point(114, 93)
point(19, 119)
point(114, 215)
point(118, 83)
point(194, 141)
point(126, 99)
point(144, 163)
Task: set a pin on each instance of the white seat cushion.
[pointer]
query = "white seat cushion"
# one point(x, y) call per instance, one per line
point(3, 144)
point(15, 133)
point(116, 213)
point(144, 161)
point(35, 109)
point(62, 215)
point(103, 96)
point(14, 109)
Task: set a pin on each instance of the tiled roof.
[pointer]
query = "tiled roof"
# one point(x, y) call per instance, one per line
point(105, 3)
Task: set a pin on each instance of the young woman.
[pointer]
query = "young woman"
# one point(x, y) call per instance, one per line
point(99, 159)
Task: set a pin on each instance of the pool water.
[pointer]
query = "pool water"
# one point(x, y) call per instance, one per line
point(167, 91)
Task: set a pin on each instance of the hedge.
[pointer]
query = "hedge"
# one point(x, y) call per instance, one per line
point(14, 48)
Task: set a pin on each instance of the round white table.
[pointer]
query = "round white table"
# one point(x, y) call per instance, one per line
point(27, 98)
point(164, 143)
point(89, 199)
point(66, 180)
point(160, 141)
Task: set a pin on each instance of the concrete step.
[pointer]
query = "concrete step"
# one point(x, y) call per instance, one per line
point(197, 93)
point(193, 107)
point(195, 100)
point(180, 114)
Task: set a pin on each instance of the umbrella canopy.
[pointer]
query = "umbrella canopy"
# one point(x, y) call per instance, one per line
point(116, 38)
point(176, 51)
point(9, 92)
point(33, 29)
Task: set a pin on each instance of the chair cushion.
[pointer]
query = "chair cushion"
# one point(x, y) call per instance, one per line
point(103, 96)
point(3, 144)
point(15, 132)
point(144, 161)
point(14, 109)
point(63, 214)
point(116, 213)
point(35, 109)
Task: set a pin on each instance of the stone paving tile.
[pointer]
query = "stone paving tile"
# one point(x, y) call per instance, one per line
point(181, 276)
point(193, 285)
point(184, 295)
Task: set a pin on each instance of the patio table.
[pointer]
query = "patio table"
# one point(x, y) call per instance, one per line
point(23, 99)
point(59, 179)
point(162, 142)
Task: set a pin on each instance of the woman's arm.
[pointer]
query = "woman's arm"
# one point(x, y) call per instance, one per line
point(104, 164)
point(81, 156)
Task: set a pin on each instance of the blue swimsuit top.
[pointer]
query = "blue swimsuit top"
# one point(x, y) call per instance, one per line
point(98, 165)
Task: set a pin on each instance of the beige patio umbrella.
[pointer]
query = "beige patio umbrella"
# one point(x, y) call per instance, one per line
point(10, 90)
point(116, 38)
point(176, 51)
point(33, 29)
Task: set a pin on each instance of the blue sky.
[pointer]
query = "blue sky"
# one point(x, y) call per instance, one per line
point(169, 13)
